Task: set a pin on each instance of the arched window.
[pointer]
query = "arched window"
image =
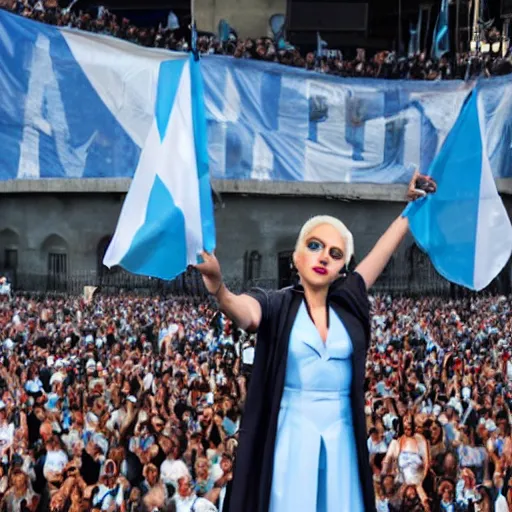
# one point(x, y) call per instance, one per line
point(254, 265)
point(285, 270)
point(55, 250)
point(9, 245)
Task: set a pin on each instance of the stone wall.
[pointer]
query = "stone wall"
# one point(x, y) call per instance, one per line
point(263, 223)
point(79, 223)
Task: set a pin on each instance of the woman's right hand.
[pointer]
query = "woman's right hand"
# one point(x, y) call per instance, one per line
point(210, 270)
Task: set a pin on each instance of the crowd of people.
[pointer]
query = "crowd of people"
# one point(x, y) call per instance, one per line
point(135, 404)
point(384, 64)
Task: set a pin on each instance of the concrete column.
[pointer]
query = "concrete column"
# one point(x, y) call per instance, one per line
point(248, 17)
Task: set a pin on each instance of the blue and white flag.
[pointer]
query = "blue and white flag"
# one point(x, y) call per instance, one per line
point(320, 45)
point(413, 41)
point(73, 104)
point(464, 226)
point(441, 36)
point(167, 217)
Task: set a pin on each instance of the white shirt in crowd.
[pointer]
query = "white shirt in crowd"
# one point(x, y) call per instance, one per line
point(509, 369)
point(380, 447)
point(116, 419)
point(193, 504)
point(5, 289)
point(222, 497)
point(172, 470)
point(6, 435)
point(248, 355)
point(106, 497)
point(500, 505)
point(55, 462)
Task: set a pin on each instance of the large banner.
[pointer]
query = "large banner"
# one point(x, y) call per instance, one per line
point(271, 122)
point(79, 105)
point(73, 104)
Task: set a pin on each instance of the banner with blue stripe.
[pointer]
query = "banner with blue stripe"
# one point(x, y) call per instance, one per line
point(80, 105)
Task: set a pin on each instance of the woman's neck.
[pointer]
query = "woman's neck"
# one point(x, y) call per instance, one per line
point(316, 298)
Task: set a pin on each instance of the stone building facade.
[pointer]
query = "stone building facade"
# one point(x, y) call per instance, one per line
point(53, 229)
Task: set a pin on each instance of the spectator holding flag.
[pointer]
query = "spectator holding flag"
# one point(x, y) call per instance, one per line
point(307, 383)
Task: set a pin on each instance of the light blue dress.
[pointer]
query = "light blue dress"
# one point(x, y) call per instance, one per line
point(315, 459)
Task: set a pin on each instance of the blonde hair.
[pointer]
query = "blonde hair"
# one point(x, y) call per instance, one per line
point(336, 224)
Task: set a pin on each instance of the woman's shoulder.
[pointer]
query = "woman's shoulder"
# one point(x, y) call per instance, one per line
point(421, 439)
point(269, 298)
point(352, 282)
point(273, 302)
point(350, 293)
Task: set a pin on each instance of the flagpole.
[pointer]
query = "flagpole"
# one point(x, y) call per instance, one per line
point(476, 30)
point(457, 28)
point(193, 30)
point(399, 45)
point(425, 42)
point(419, 26)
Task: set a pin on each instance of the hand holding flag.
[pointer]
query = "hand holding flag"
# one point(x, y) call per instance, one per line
point(419, 186)
point(464, 227)
point(167, 217)
point(211, 272)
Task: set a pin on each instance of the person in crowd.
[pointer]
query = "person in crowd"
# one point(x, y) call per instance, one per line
point(312, 376)
point(5, 289)
point(410, 454)
point(384, 64)
point(188, 501)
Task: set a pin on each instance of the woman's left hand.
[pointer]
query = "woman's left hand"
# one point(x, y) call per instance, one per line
point(419, 186)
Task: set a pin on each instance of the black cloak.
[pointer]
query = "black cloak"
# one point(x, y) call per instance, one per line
point(254, 461)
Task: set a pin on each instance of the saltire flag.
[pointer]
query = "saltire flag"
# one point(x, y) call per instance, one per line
point(464, 226)
point(167, 217)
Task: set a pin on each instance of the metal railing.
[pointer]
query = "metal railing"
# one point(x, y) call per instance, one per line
point(405, 275)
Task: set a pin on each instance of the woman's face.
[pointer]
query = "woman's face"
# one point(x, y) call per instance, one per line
point(410, 493)
point(184, 487)
point(226, 465)
point(152, 476)
point(408, 430)
point(447, 495)
point(388, 484)
point(320, 257)
point(435, 430)
point(19, 481)
point(449, 462)
point(202, 467)
point(126, 388)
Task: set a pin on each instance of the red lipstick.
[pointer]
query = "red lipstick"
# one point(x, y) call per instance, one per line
point(320, 270)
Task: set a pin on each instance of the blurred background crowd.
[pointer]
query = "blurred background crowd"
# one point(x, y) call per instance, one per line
point(130, 403)
point(383, 64)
